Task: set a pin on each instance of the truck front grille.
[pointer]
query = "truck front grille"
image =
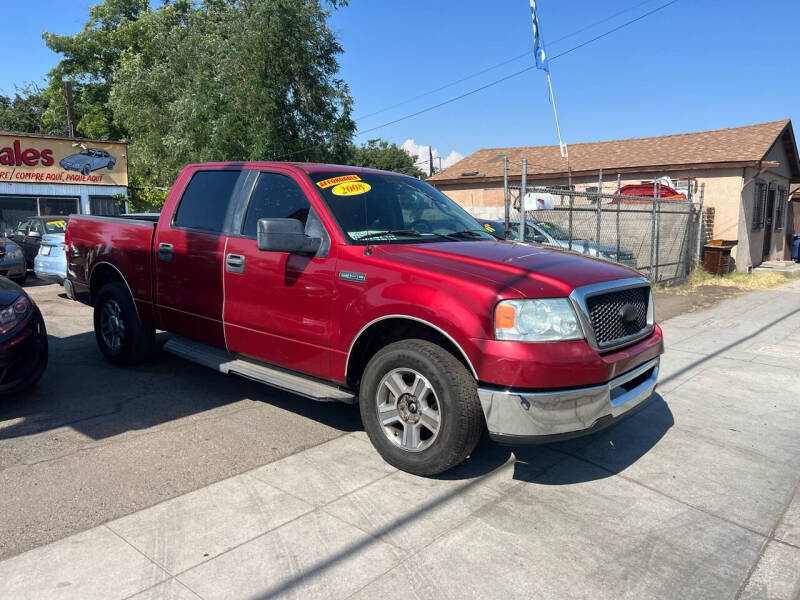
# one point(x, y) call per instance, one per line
point(606, 313)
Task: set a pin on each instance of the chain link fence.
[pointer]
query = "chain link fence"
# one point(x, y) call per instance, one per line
point(657, 236)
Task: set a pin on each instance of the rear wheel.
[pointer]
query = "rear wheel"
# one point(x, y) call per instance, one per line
point(122, 339)
point(420, 407)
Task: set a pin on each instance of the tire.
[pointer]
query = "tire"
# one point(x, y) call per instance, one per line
point(86, 170)
point(443, 389)
point(122, 339)
point(20, 279)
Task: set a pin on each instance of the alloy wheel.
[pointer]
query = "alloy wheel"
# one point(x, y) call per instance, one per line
point(408, 409)
point(112, 327)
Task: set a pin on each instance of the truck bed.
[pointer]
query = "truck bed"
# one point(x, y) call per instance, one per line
point(123, 243)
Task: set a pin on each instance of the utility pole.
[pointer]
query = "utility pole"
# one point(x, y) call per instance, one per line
point(430, 160)
point(70, 113)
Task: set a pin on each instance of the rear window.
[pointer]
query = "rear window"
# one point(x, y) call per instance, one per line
point(205, 201)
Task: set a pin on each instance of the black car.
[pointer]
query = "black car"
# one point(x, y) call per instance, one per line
point(23, 339)
point(28, 234)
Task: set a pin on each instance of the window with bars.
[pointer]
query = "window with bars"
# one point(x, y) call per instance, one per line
point(758, 205)
point(780, 209)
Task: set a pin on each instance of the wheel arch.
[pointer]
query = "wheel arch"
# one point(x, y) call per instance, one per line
point(104, 273)
point(393, 328)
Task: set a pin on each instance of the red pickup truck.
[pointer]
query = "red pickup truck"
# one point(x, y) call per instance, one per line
point(356, 285)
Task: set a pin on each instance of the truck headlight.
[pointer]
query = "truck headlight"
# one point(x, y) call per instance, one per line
point(528, 320)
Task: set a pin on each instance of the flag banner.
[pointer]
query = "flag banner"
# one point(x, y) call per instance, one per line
point(538, 44)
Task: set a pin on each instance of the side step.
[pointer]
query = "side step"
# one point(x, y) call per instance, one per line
point(226, 362)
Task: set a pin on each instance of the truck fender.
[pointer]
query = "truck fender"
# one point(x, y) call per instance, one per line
point(366, 328)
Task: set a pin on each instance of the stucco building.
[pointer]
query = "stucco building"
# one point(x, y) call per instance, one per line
point(748, 174)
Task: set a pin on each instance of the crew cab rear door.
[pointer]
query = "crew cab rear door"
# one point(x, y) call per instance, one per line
point(189, 246)
point(279, 306)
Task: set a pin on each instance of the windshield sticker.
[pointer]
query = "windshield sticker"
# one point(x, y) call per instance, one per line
point(57, 223)
point(488, 227)
point(326, 183)
point(351, 189)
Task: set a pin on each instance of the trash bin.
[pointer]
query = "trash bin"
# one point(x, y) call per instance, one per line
point(717, 256)
point(796, 247)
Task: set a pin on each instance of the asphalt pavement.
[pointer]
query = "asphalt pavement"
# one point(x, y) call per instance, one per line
point(93, 442)
point(695, 496)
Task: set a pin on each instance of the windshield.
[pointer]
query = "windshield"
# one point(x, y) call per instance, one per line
point(553, 231)
point(55, 226)
point(380, 208)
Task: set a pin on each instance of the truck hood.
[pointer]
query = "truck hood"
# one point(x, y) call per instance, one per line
point(512, 268)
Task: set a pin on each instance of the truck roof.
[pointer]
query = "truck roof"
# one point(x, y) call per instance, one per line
point(302, 166)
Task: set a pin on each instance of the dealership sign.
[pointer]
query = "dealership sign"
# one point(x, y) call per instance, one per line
point(31, 159)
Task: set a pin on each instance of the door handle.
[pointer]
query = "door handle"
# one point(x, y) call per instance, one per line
point(165, 251)
point(234, 263)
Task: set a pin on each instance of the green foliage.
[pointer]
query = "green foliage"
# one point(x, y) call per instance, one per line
point(90, 58)
point(199, 80)
point(379, 154)
point(25, 111)
point(144, 195)
point(233, 80)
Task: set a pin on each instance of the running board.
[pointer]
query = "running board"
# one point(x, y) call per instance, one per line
point(228, 363)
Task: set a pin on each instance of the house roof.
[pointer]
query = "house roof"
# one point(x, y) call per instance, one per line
point(721, 148)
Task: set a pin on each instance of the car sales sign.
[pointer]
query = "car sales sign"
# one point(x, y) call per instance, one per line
point(33, 159)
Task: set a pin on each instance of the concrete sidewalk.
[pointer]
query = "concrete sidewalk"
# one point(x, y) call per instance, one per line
point(696, 496)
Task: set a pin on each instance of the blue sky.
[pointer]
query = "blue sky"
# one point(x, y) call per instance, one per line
point(691, 66)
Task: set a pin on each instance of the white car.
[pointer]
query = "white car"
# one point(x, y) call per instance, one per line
point(50, 263)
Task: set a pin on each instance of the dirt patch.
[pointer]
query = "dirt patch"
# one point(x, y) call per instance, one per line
point(672, 302)
point(703, 290)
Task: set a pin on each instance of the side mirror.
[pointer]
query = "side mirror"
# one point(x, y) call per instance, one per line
point(286, 235)
point(34, 234)
point(539, 238)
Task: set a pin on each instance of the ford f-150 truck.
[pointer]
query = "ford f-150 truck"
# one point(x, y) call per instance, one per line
point(356, 285)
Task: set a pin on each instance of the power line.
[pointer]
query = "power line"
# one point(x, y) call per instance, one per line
point(445, 86)
point(515, 74)
point(501, 64)
point(610, 31)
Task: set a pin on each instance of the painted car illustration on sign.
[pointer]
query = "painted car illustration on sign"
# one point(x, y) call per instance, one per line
point(88, 160)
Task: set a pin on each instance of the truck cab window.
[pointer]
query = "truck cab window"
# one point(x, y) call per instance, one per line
point(275, 197)
point(205, 201)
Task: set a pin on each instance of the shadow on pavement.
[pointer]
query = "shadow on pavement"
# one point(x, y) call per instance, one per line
point(542, 465)
point(627, 441)
point(80, 389)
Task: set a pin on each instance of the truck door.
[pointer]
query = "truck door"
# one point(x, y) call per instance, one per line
point(188, 248)
point(278, 306)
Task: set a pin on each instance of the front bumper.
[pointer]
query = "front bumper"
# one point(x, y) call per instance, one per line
point(23, 354)
point(13, 267)
point(516, 417)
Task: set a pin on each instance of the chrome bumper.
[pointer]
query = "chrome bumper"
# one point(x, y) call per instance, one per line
point(70, 289)
point(539, 417)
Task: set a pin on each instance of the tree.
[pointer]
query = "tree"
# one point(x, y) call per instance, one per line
point(232, 80)
point(25, 111)
point(379, 154)
point(90, 59)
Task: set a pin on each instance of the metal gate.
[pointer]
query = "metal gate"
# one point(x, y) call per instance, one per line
point(657, 236)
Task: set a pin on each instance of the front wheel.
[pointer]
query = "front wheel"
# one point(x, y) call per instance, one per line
point(121, 337)
point(420, 407)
